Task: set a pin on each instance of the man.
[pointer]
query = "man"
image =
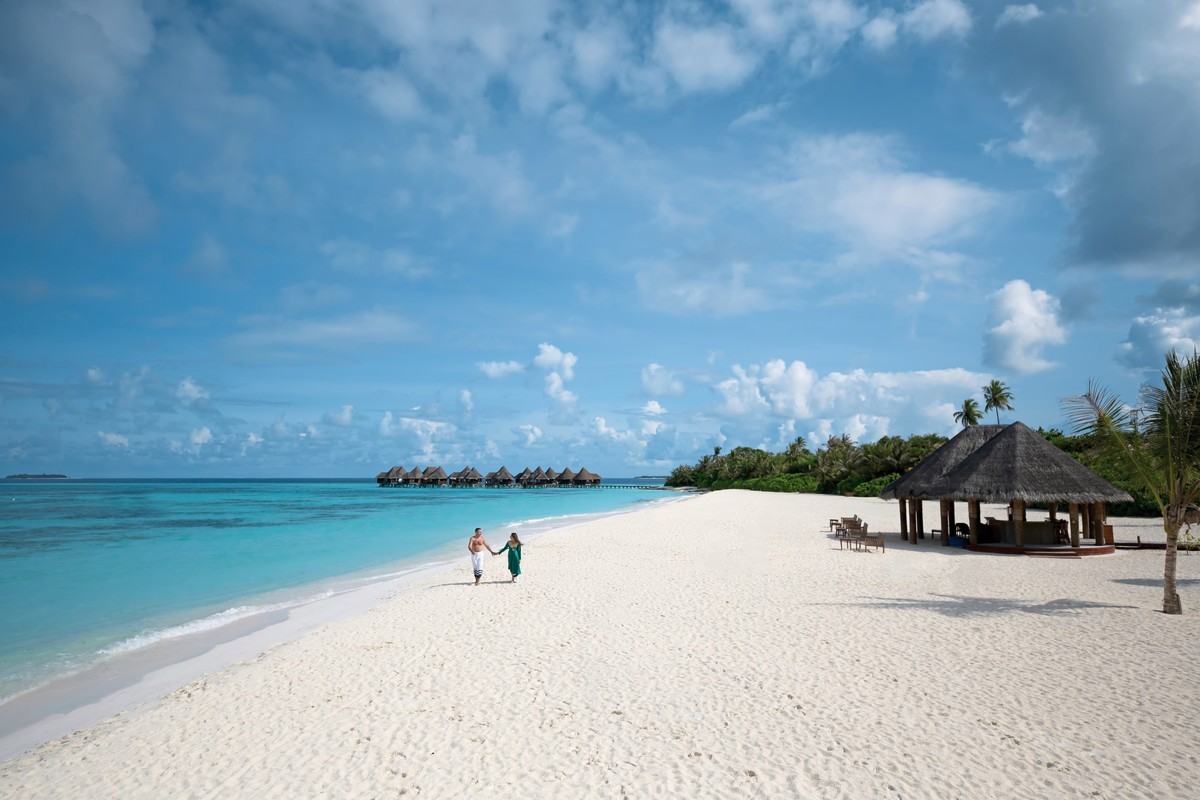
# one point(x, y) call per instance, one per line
point(476, 545)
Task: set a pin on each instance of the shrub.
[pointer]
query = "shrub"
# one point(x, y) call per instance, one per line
point(873, 487)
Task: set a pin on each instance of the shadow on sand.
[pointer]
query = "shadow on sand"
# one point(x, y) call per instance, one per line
point(961, 606)
point(1156, 582)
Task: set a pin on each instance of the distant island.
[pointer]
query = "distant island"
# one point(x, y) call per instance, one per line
point(650, 477)
point(23, 477)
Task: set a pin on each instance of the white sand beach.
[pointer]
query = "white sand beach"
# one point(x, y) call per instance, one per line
point(720, 646)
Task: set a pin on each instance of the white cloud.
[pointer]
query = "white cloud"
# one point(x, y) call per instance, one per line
point(692, 289)
point(933, 19)
point(529, 433)
point(1046, 139)
point(856, 188)
point(189, 391)
point(551, 358)
point(653, 408)
point(113, 439)
point(466, 400)
point(343, 418)
point(1151, 336)
point(499, 369)
point(860, 403)
point(1022, 322)
point(605, 431)
point(658, 381)
point(200, 437)
point(881, 32)
point(702, 59)
point(95, 376)
point(1018, 15)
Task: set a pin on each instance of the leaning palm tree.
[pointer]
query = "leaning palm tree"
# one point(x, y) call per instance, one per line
point(998, 396)
point(1159, 443)
point(968, 415)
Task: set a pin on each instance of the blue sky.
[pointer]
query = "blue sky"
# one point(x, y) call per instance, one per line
point(324, 237)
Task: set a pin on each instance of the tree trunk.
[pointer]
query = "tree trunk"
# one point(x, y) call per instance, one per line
point(1171, 604)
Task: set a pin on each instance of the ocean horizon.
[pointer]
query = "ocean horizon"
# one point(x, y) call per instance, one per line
point(92, 568)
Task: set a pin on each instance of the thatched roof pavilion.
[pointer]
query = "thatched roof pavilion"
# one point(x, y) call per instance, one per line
point(566, 477)
point(586, 477)
point(917, 481)
point(1019, 464)
point(472, 477)
point(1009, 464)
point(551, 475)
point(524, 475)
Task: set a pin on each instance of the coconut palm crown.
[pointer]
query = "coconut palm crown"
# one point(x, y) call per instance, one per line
point(969, 414)
point(998, 396)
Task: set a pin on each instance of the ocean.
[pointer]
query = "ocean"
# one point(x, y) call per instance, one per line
point(95, 568)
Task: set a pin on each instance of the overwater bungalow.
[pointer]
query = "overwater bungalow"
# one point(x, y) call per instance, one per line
point(501, 477)
point(566, 477)
point(470, 476)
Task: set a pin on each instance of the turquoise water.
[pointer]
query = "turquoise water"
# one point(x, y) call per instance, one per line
point(90, 568)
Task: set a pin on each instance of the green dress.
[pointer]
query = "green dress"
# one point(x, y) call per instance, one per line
point(514, 558)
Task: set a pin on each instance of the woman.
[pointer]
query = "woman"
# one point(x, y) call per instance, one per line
point(513, 546)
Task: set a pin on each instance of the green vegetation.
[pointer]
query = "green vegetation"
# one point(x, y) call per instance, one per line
point(843, 467)
point(22, 476)
point(998, 397)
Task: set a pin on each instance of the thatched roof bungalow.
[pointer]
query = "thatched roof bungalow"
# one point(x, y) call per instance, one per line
point(1017, 466)
point(566, 477)
point(501, 477)
point(586, 477)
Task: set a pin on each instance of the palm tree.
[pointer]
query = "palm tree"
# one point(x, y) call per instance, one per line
point(1159, 442)
point(968, 415)
point(998, 396)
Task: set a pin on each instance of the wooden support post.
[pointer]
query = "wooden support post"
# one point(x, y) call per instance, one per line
point(950, 520)
point(1085, 521)
point(1098, 521)
point(973, 519)
point(920, 519)
point(912, 521)
point(945, 537)
point(1019, 522)
point(1073, 510)
point(903, 519)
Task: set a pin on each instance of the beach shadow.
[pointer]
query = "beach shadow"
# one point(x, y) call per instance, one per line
point(470, 583)
point(961, 606)
point(1156, 582)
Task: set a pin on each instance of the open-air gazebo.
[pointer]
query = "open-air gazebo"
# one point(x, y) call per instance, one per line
point(1013, 465)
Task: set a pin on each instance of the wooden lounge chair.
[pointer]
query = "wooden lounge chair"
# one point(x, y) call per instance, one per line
point(872, 540)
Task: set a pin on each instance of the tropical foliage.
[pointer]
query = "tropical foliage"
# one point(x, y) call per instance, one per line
point(1156, 444)
point(843, 467)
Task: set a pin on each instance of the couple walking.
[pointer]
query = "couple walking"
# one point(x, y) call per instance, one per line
point(477, 544)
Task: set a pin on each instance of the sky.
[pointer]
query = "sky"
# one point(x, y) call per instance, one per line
point(319, 238)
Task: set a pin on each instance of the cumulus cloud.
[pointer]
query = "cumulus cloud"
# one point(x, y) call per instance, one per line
point(528, 434)
point(95, 376)
point(1152, 335)
point(200, 437)
point(189, 391)
point(499, 369)
point(605, 431)
point(858, 402)
point(653, 408)
point(1022, 322)
point(559, 367)
point(1018, 15)
point(343, 418)
point(466, 401)
point(658, 381)
point(112, 439)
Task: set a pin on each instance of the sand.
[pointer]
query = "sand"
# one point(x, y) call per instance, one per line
point(721, 646)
